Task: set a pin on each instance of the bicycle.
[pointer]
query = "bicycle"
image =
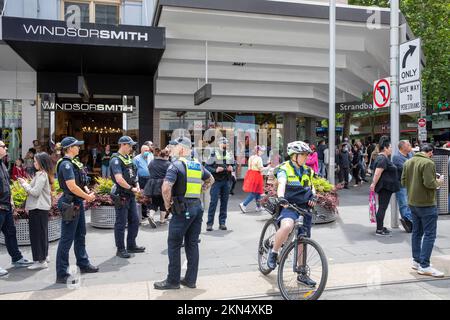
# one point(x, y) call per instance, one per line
point(291, 264)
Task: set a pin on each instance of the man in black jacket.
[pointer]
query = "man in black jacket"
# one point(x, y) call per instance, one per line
point(344, 163)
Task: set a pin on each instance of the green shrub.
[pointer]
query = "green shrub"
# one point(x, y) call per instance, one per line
point(19, 195)
point(103, 186)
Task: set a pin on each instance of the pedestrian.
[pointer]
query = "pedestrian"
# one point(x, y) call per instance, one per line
point(18, 170)
point(321, 157)
point(141, 163)
point(373, 158)
point(182, 190)
point(356, 162)
point(126, 186)
point(38, 204)
point(7, 225)
point(313, 161)
point(385, 183)
point(344, 162)
point(56, 155)
point(105, 156)
point(157, 169)
point(253, 180)
point(404, 153)
point(73, 181)
point(421, 182)
point(220, 164)
point(29, 163)
point(363, 161)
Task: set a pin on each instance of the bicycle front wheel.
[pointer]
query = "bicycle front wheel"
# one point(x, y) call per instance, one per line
point(265, 244)
point(307, 261)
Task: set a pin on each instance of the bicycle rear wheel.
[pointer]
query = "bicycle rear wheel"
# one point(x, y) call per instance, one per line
point(265, 244)
point(313, 264)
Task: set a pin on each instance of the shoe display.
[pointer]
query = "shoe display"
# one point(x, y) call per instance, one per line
point(136, 249)
point(272, 260)
point(38, 265)
point(89, 269)
point(430, 271)
point(189, 285)
point(223, 227)
point(305, 280)
point(164, 285)
point(123, 254)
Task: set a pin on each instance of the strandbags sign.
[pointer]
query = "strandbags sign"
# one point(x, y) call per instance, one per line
point(86, 107)
point(37, 30)
point(355, 106)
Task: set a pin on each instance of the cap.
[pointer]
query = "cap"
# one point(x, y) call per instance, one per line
point(184, 141)
point(70, 141)
point(126, 140)
point(222, 140)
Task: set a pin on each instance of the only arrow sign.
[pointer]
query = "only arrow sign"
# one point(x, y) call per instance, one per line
point(409, 52)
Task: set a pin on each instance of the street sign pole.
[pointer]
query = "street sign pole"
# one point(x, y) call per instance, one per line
point(395, 112)
point(332, 94)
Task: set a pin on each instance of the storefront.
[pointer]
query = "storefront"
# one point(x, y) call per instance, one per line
point(95, 83)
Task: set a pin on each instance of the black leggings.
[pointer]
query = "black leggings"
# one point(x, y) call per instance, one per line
point(384, 197)
point(39, 234)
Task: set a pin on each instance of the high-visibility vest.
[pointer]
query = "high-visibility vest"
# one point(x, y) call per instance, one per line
point(298, 189)
point(193, 178)
point(228, 157)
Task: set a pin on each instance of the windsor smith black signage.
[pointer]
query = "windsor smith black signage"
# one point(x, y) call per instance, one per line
point(37, 30)
point(86, 107)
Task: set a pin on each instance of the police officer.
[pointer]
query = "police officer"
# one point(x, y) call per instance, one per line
point(181, 190)
point(221, 165)
point(294, 187)
point(124, 176)
point(73, 181)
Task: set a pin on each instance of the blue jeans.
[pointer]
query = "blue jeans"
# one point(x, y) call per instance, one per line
point(72, 232)
point(105, 171)
point(126, 213)
point(8, 228)
point(180, 227)
point(402, 201)
point(322, 168)
point(424, 221)
point(253, 196)
point(222, 189)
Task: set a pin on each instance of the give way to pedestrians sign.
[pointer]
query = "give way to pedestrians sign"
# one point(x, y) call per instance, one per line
point(382, 93)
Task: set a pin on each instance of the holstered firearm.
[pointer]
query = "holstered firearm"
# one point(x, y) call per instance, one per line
point(115, 197)
point(179, 206)
point(69, 211)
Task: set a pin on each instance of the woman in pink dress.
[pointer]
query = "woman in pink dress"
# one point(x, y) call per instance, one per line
point(313, 160)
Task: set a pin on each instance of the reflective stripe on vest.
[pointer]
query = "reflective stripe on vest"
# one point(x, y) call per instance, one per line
point(126, 161)
point(219, 157)
point(193, 178)
point(293, 178)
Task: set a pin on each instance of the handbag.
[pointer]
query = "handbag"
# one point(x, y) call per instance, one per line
point(372, 207)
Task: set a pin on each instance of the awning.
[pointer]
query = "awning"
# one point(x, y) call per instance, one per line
point(53, 46)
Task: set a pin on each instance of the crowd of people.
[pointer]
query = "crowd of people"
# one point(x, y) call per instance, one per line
point(173, 180)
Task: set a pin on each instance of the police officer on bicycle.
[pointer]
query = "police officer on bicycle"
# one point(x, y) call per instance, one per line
point(124, 176)
point(73, 181)
point(181, 190)
point(294, 187)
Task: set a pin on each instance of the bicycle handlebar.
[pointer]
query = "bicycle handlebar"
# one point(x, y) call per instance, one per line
point(301, 211)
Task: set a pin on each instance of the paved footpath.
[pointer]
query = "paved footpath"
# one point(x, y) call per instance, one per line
point(228, 262)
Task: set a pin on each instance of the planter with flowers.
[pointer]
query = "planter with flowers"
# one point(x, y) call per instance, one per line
point(21, 216)
point(103, 213)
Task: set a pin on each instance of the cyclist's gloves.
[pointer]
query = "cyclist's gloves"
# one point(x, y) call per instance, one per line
point(282, 201)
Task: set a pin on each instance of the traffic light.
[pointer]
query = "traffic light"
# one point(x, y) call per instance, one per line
point(443, 106)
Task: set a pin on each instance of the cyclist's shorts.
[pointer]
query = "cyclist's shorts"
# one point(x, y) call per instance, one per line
point(291, 214)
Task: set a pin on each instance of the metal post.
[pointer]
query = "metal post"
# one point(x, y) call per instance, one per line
point(206, 59)
point(332, 94)
point(395, 111)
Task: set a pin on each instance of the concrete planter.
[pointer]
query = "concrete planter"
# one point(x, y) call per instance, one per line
point(23, 231)
point(104, 217)
point(322, 215)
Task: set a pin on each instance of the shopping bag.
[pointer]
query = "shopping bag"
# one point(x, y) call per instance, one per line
point(372, 207)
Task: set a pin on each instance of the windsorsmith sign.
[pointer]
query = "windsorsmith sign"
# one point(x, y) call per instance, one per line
point(23, 29)
point(86, 107)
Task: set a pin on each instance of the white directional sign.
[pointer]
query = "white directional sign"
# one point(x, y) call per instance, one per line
point(410, 61)
point(410, 97)
point(422, 134)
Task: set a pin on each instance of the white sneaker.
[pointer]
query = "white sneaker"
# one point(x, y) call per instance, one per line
point(47, 259)
point(3, 272)
point(430, 272)
point(258, 209)
point(415, 265)
point(38, 265)
point(243, 208)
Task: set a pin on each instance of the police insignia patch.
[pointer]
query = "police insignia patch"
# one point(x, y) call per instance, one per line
point(116, 162)
point(67, 166)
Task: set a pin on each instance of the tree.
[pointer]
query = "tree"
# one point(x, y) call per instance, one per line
point(428, 19)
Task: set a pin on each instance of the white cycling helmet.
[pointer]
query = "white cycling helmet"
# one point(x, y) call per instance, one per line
point(298, 147)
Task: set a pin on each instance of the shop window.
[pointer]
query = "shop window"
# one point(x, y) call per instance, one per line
point(11, 128)
point(98, 11)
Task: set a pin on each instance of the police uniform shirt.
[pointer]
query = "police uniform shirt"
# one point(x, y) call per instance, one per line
point(176, 173)
point(66, 171)
point(115, 166)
